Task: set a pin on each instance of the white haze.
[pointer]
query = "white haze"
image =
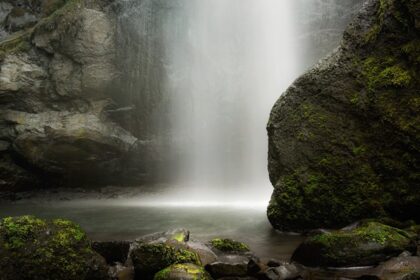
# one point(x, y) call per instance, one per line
point(225, 72)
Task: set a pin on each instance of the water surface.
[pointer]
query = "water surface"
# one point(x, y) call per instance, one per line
point(125, 220)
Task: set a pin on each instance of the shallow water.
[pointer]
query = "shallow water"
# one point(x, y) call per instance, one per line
point(120, 219)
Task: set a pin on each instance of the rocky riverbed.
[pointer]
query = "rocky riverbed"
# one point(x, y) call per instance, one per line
point(29, 245)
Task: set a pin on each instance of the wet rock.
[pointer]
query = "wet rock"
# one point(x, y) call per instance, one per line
point(205, 254)
point(412, 276)
point(331, 160)
point(400, 267)
point(18, 19)
point(32, 248)
point(112, 251)
point(229, 265)
point(273, 263)
point(185, 271)
point(68, 143)
point(149, 258)
point(284, 271)
point(121, 272)
point(179, 235)
point(254, 266)
point(367, 244)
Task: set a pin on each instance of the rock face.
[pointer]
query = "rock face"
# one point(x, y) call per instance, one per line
point(55, 77)
point(32, 248)
point(344, 138)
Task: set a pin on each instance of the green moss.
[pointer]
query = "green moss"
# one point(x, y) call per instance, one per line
point(386, 8)
point(163, 274)
point(229, 245)
point(370, 232)
point(180, 237)
point(306, 198)
point(42, 249)
point(17, 231)
point(412, 50)
point(381, 73)
point(190, 271)
point(360, 150)
point(366, 244)
point(148, 259)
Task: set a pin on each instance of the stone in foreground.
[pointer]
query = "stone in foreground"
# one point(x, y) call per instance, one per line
point(150, 258)
point(187, 271)
point(32, 248)
point(367, 244)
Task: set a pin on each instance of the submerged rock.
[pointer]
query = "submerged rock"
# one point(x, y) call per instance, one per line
point(185, 271)
point(32, 248)
point(344, 138)
point(368, 244)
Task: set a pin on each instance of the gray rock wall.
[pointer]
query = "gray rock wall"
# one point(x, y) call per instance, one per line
point(54, 86)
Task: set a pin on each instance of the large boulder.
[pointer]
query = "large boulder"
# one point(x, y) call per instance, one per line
point(32, 248)
point(366, 244)
point(344, 140)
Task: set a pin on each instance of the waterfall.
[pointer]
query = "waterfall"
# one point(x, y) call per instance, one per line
point(203, 75)
point(226, 70)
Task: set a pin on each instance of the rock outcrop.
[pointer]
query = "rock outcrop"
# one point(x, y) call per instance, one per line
point(56, 72)
point(344, 138)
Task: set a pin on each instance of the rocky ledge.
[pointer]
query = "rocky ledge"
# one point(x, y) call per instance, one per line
point(33, 248)
point(344, 139)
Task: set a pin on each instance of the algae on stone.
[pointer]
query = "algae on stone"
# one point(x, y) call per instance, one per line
point(185, 271)
point(33, 248)
point(149, 258)
point(229, 245)
point(367, 244)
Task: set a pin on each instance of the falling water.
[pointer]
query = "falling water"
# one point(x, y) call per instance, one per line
point(226, 71)
point(203, 76)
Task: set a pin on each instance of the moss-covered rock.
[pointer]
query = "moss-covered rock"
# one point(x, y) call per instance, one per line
point(185, 271)
point(367, 244)
point(344, 138)
point(33, 248)
point(149, 258)
point(228, 245)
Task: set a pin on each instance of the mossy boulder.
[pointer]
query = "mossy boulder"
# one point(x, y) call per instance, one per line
point(228, 245)
point(33, 248)
point(149, 258)
point(185, 271)
point(367, 244)
point(344, 140)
